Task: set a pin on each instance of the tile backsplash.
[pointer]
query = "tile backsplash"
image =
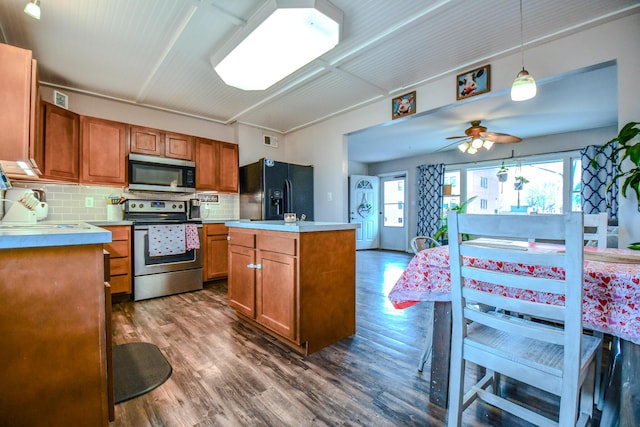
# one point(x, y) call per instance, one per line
point(68, 202)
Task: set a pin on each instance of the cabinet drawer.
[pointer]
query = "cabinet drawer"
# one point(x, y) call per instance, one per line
point(242, 239)
point(119, 266)
point(119, 233)
point(120, 284)
point(118, 249)
point(214, 229)
point(281, 245)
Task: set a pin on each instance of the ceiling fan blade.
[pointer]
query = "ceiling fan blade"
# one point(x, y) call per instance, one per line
point(456, 137)
point(501, 138)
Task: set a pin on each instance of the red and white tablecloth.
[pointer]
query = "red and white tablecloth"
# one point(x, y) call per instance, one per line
point(611, 290)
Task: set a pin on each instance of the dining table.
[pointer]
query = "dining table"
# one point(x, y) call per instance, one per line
point(611, 305)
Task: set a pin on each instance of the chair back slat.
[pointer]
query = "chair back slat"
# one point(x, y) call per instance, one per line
point(596, 229)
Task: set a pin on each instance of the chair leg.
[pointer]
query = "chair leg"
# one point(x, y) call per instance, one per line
point(456, 390)
point(611, 401)
point(599, 390)
point(427, 346)
point(587, 393)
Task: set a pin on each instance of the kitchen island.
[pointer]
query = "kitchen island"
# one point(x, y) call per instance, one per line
point(295, 281)
point(53, 325)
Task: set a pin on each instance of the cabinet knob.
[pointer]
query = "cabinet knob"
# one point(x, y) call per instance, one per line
point(251, 265)
point(259, 266)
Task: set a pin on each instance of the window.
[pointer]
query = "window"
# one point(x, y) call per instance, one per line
point(393, 204)
point(451, 200)
point(576, 186)
point(538, 191)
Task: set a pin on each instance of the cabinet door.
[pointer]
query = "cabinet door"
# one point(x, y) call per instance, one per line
point(145, 141)
point(18, 109)
point(178, 146)
point(61, 143)
point(104, 152)
point(276, 293)
point(216, 257)
point(241, 284)
point(228, 167)
point(206, 154)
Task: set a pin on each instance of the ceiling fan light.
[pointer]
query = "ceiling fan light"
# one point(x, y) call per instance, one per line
point(487, 144)
point(463, 147)
point(472, 150)
point(33, 9)
point(523, 87)
point(476, 143)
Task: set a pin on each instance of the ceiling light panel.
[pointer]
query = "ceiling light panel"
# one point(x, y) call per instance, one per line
point(293, 35)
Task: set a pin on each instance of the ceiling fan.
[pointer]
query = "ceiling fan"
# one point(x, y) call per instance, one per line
point(477, 136)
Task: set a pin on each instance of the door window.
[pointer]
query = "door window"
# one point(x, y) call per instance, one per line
point(393, 204)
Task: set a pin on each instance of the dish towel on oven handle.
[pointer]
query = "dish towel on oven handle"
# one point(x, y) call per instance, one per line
point(191, 237)
point(167, 240)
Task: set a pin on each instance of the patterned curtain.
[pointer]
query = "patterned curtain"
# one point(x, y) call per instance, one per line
point(430, 182)
point(594, 182)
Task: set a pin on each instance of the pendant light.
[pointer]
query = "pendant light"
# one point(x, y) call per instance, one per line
point(33, 9)
point(524, 86)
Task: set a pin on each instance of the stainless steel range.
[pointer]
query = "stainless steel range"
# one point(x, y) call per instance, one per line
point(165, 261)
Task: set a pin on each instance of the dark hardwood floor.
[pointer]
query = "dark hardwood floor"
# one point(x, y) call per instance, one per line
point(226, 373)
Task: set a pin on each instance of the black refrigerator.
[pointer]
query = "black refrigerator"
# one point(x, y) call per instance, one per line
point(268, 189)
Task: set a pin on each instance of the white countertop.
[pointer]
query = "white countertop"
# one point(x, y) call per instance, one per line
point(296, 227)
point(50, 233)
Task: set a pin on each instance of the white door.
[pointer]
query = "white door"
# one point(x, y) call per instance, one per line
point(363, 209)
point(393, 235)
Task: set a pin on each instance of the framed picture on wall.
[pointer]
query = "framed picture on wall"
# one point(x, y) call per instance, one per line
point(403, 105)
point(474, 82)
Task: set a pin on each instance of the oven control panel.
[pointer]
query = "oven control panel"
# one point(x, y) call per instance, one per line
point(155, 206)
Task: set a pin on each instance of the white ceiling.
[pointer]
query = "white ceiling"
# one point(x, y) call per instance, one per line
point(158, 53)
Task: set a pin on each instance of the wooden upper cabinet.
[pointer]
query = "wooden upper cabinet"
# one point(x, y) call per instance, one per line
point(228, 167)
point(216, 166)
point(19, 90)
point(103, 151)
point(177, 146)
point(61, 143)
point(145, 141)
point(154, 142)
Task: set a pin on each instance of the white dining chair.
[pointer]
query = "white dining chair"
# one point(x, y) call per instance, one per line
point(420, 243)
point(553, 356)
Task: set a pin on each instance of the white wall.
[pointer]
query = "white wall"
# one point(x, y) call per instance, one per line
point(617, 40)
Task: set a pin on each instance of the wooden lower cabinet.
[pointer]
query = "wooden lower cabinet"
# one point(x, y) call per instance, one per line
point(215, 252)
point(120, 258)
point(298, 287)
point(53, 336)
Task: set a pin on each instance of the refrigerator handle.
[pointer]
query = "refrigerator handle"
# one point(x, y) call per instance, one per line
point(287, 195)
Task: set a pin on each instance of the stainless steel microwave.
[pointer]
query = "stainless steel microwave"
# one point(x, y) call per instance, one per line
point(161, 174)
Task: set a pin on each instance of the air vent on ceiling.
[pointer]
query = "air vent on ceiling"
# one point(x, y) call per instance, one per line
point(270, 141)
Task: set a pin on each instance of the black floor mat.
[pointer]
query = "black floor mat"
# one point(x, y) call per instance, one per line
point(138, 368)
